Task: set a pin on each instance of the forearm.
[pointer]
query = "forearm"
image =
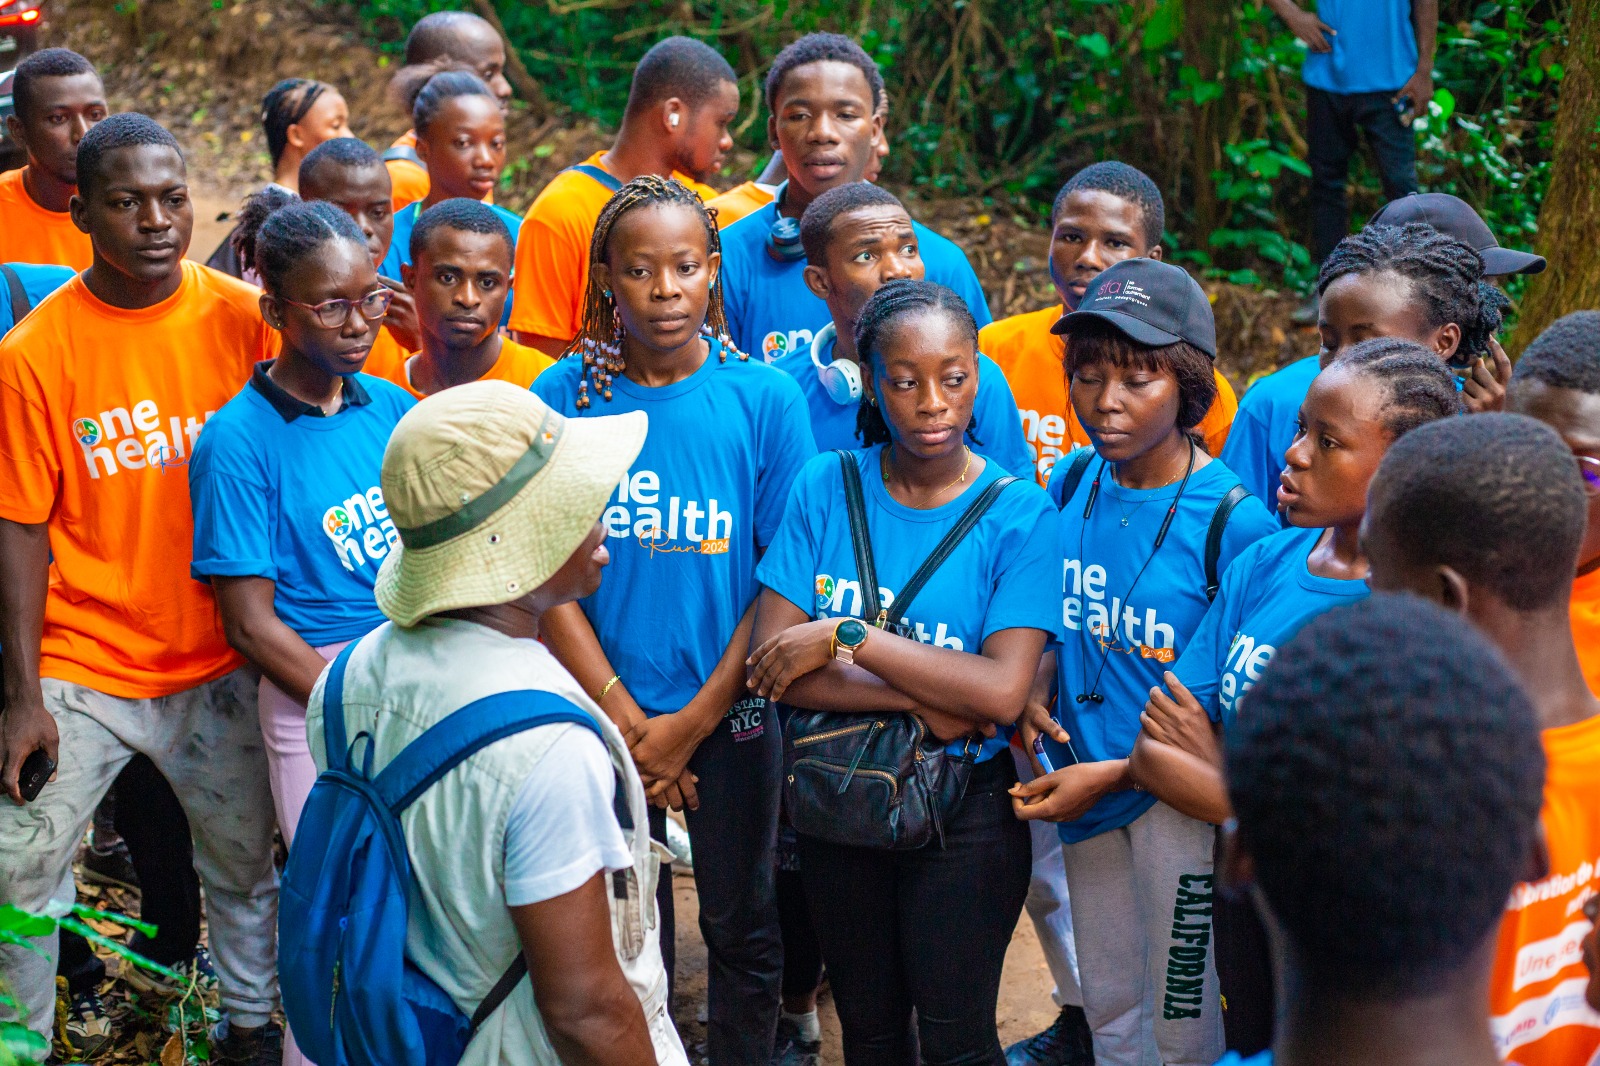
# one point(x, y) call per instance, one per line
point(971, 686)
point(1182, 781)
point(1284, 8)
point(725, 686)
point(24, 583)
point(840, 687)
point(571, 639)
point(1425, 19)
point(280, 653)
point(609, 1030)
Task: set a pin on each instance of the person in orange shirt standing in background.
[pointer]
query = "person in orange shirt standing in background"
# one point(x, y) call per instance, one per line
point(442, 38)
point(109, 649)
point(1557, 381)
point(683, 97)
point(1105, 213)
point(1485, 516)
point(58, 98)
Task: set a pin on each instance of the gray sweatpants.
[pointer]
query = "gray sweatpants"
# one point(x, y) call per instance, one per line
point(1141, 914)
point(206, 742)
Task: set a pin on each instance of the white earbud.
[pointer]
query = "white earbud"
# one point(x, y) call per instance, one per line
point(841, 378)
point(672, 120)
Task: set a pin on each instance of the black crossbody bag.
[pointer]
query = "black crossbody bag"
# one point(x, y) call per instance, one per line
point(878, 781)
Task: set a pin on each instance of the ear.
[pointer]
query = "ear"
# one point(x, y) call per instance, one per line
point(772, 133)
point(295, 136)
point(79, 212)
point(674, 116)
point(1453, 594)
point(878, 133)
point(408, 276)
point(600, 275)
point(714, 265)
point(1236, 872)
point(1538, 856)
point(14, 129)
point(271, 313)
point(817, 281)
point(1446, 339)
point(1155, 253)
point(421, 150)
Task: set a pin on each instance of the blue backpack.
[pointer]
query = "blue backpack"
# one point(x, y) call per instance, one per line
point(351, 995)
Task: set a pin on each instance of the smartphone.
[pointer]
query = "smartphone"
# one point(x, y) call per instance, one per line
point(36, 770)
point(1045, 760)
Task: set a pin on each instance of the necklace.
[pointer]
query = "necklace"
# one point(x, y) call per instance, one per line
point(1127, 515)
point(888, 460)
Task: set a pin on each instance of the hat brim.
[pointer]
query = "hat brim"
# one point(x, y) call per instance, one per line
point(523, 544)
point(1499, 260)
point(1141, 331)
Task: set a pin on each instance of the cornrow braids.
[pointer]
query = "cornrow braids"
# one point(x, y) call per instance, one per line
point(599, 339)
point(1418, 388)
point(287, 103)
point(1446, 278)
point(894, 302)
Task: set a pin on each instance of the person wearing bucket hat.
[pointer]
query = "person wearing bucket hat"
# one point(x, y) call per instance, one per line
point(1136, 517)
point(496, 500)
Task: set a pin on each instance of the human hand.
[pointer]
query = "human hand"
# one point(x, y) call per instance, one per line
point(948, 727)
point(1067, 794)
point(1178, 720)
point(24, 729)
point(1484, 389)
point(1418, 90)
point(792, 654)
point(661, 748)
point(676, 795)
point(1037, 720)
point(401, 320)
point(1310, 29)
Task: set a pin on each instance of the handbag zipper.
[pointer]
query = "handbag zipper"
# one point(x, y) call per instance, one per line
point(818, 738)
point(894, 784)
point(860, 754)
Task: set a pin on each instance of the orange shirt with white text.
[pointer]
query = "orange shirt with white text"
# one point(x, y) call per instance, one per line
point(1586, 626)
point(30, 234)
point(739, 201)
point(99, 412)
point(517, 364)
point(1034, 361)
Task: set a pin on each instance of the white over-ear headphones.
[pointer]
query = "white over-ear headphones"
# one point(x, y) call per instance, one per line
point(841, 378)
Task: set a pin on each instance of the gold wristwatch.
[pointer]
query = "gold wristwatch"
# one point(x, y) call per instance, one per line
point(848, 636)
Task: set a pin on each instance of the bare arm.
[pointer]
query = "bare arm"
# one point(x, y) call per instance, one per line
point(833, 686)
point(1304, 25)
point(253, 628)
point(590, 1012)
point(1419, 87)
point(1182, 781)
point(25, 725)
point(551, 346)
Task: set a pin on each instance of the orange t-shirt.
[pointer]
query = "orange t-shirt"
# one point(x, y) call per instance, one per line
point(1537, 1010)
point(517, 364)
point(408, 178)
point(99, 412)
point(1586, 626)
point(739, 201)
point(387, 354)
point(30, 234)
point(553, 251)
point(1033, 359)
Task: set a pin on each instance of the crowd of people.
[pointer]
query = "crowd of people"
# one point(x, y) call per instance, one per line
point(455, 548)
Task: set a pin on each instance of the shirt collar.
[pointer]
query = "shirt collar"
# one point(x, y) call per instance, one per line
point(290, 407)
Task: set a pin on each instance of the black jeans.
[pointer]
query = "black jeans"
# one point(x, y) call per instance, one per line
point(1332, 123)
point(924, 931)
point(734, 835)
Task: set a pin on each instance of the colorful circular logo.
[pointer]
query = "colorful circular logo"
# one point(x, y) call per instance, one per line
point(87, 430)
point(825, 589)
point(774, 344)
point(336, 523)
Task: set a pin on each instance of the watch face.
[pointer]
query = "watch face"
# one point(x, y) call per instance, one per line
point(851, 632)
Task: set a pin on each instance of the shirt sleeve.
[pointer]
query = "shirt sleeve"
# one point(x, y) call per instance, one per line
point(963, 280)
point(1248, 453)
point(30, 465)
point(1200, 665)
point(789, 566)
point(1027, 589)
point(232, 524)
point(788, 447)
point(999, 425)
point(561, 830)
point(548, 289)
point(1218, 420)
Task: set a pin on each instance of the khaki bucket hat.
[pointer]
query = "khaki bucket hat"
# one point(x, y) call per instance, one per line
point(491, 492)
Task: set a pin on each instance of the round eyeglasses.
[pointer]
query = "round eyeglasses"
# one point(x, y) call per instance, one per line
point(1589, 467)
point(333, 314)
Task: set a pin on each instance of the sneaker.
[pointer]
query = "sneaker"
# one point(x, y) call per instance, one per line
point(87, 1026)
point(197, 968)
point(232, 1046)
point(1068, 1042)
point(111, 866)
point(790, 1050)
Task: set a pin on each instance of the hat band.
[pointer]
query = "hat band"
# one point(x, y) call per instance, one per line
point(478, 511)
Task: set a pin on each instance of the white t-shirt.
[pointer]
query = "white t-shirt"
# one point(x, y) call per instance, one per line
point(561, 829)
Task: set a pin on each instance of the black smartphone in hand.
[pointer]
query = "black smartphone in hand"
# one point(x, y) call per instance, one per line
point(36, 770)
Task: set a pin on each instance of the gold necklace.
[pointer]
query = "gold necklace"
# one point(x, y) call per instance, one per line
point(888, 461)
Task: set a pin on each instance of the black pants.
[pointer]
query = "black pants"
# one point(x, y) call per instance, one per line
point(924, 931)
point(734, 835)
point(151, 821)
point(1244, 974)
point(1332, 123)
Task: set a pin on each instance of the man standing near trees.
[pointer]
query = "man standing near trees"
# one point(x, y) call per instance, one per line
point(1370, 68)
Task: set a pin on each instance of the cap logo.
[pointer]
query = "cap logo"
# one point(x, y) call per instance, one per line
point(1123, 292)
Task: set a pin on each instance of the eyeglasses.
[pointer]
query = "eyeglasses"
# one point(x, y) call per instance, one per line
point(333, 314)
point(1589, 467)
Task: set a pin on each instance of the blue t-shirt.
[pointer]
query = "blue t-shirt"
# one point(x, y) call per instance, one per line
point(299, 503)
point(997, 578)
point(1267, 595)
point(405, 220)
point(834, 424)
point(1149, 629)
point(1264, 427)
point(38, 281)
point(770, 309)
point(1233, 1058)
point(1375, 50)
point(723, 447)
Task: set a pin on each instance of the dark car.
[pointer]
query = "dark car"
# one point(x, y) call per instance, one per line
point(20, 23)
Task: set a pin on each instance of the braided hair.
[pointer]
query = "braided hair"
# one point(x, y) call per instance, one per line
point(883, 313)
point(1417, 387)
point(285, 104)
point(599, 339)
point(277, 231)
point(1446, 278)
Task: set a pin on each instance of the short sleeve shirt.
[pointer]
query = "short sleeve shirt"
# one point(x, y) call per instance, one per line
point(37, 283)
point(32, 234)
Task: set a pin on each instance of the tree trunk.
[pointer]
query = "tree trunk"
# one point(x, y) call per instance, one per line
point(1208, 30)
point(527, 88)
point(1569, 218)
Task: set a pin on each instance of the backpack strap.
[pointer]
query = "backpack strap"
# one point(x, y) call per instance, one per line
point(20, 304)
point(942, 550)
point(334, 735)
point(866, 572)
point(403, 153)
point(1219, 525)
point(1072, 478)
point(605, 178)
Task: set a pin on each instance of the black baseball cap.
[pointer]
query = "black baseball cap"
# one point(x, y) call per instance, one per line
point(1154, 303)
point(1454, 217)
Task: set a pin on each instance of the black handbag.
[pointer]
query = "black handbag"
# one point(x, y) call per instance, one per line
point(878, 781)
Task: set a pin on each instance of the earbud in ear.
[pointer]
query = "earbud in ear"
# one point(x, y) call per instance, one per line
point(672, 120)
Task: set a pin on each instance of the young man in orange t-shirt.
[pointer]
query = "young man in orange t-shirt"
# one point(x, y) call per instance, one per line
point(1105, 213)
point(1485, 515)
point(1557, 381)
point(109, 648)
point(58, 97)
point(683, 97)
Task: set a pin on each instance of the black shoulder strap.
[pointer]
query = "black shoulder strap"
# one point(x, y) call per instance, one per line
point(942, 550)
point(866, 573)
point(20, 304)
point(1219, 525)
point(603, 177)
point(1074, 476)
point(502, 988)
point(404, 152)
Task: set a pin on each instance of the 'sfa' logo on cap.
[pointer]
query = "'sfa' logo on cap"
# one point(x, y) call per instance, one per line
point(1111, 288)
point(336, 523)
point(87, 430)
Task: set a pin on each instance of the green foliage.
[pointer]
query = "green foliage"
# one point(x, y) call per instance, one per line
point(1006, 100)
